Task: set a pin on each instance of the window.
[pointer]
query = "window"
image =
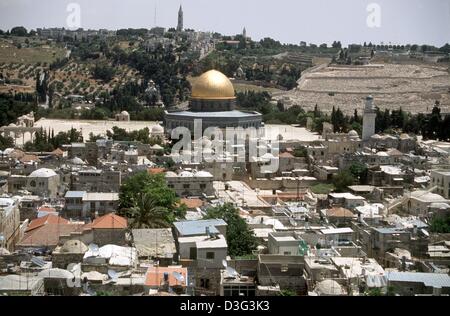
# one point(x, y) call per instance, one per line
point(287, 253)
point(204, 283)
point(210, 255)
point(193, 253)
point(186, 186)
point(202, 186)
point(33, 183)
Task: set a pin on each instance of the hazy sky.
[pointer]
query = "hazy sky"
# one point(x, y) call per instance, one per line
point(289, 21)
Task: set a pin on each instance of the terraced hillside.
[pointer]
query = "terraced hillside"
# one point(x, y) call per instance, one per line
point(414, 88)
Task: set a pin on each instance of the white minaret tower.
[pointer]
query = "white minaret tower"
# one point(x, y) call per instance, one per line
point(244, 34)
point(180, 20)
point(369, 119)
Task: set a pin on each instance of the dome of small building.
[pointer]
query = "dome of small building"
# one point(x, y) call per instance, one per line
point(157, 147)
point(43, 173)
point(74, 246)
point(157, 129)
point(78, 161)
point(213, 85)
point(329, 287)
point(124, 113)
point(170, 174)
point(353, 134)
point(203, 174)
point(12, 125)
point(186, 174)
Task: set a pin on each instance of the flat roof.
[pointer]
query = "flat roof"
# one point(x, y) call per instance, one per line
point(100, 196)
point(343, 230)
point(75, 194)
point(390, 230)
point(220, 114)
point(437, 280)
point(284, 238)
point(191, 228)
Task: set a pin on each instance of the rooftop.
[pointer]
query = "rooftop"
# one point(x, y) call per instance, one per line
point(156, 242)
point(155, 276)
point(109, 221)
point(428, 279)
point(343, 230)
point(192, 228)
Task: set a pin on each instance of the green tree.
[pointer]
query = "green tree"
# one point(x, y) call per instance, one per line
point(342, 180)
point(6, 142)
point(440, 225)
point(19, 31)
point(145, 213)
point(359, 172)
point(240, 238)
point(149, 194)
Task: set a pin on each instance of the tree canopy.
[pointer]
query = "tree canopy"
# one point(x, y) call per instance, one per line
point(148, 202)
point(240, 238)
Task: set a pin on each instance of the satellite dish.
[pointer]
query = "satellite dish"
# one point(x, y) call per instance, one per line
point(113, 275)
point(231, 272)
point(178, 276)
point(93, 247)
point(224, 263)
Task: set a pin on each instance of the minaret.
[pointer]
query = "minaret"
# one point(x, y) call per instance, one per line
point(180, 20)
point(244, 34)
point(369, 119)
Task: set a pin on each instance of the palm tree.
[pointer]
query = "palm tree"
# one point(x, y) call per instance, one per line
point(146, 214)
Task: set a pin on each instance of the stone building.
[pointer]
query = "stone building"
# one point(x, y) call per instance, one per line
point(94, 180)
point(441, 179)
point(9, 223)
point(43, 182)
point(88, 204)
point(71, 252)
point(109, 229)
point(187, 183)
point(123, 116)
point(368, 119)
point(285, 271)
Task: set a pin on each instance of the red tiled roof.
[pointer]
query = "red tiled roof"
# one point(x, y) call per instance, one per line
point(48, 234)
point(156, 170)
point(109, 221)
point(286, 155)
point(339, 212)
point(46, 209)
point(47, 219)
point(191, 203)
point(28, 158)
point(155, 276)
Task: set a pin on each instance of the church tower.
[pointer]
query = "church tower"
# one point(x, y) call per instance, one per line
point(369, 119)
point(180, 20)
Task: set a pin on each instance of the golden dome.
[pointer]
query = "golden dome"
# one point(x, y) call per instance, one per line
point(213, 85)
